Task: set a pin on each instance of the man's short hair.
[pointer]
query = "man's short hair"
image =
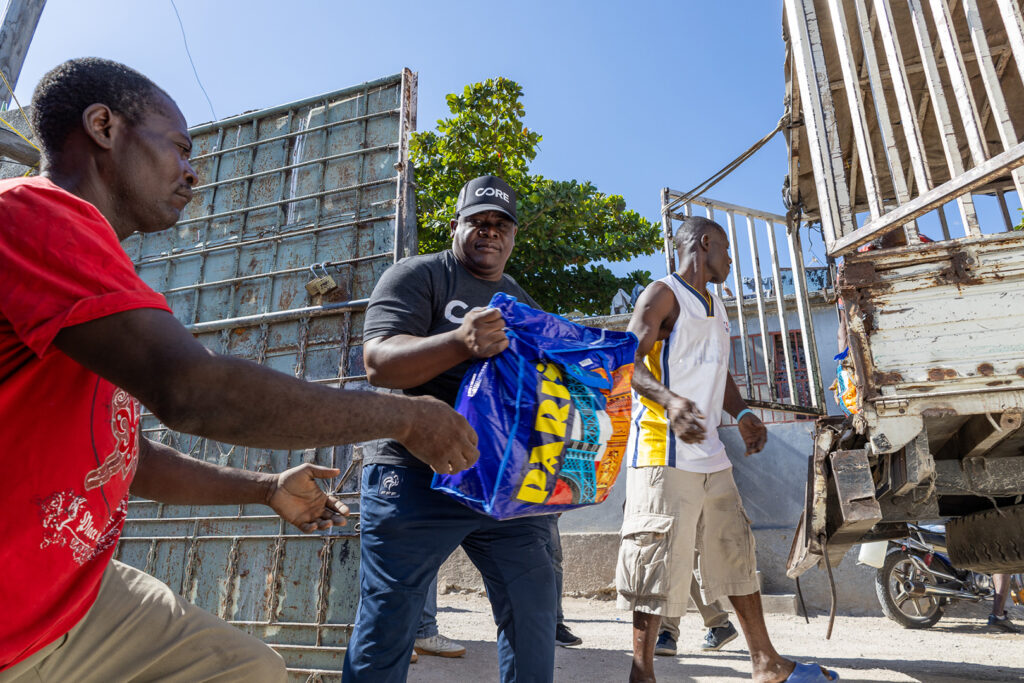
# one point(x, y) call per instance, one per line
point(692, 229)
point(70, 88)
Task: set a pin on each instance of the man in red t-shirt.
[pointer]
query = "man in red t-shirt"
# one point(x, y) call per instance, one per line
point(82, 342)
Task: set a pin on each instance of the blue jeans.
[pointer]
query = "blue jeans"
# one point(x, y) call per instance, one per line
point(406, 531)
point(428, 619)
point(554, 544)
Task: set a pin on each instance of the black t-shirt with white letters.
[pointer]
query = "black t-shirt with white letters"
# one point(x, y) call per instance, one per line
point(423, 296)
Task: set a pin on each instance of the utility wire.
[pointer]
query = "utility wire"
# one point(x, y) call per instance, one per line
point(727, 169)
point(22, 111)
point(18, 132)
point(184, 39)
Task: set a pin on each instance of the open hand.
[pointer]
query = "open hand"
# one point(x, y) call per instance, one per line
point(685, 419)
point(298, 498)
point(483, 332)
point(439, 436)
point(753, 432)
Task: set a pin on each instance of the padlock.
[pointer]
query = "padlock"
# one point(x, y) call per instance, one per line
point(320, 284)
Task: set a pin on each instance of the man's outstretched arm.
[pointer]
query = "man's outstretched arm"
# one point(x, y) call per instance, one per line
point(294, 494)
point(190, 389)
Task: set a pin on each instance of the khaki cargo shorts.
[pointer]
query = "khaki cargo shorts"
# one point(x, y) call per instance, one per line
point(669, 515)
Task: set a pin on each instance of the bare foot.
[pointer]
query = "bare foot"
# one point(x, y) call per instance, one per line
point(775, 670)
point(778, 670)
point(638, 675)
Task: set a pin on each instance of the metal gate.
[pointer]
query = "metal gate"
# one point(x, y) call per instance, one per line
point(768, 296)
point(288, 194)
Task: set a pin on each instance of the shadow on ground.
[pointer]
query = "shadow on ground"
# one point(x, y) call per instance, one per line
point(596, 665)
point(862, 649)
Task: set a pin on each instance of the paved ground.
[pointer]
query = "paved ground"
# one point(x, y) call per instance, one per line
point(862, 649)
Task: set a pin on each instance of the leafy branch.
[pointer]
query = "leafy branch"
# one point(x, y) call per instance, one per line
point(565, 226)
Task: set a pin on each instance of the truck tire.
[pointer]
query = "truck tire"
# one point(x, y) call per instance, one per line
point(991, 541)
point(907, 611)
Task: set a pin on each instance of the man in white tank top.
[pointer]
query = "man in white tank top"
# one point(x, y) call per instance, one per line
point(681, 498)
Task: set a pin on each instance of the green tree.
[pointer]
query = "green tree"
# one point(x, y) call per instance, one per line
point(564, 225)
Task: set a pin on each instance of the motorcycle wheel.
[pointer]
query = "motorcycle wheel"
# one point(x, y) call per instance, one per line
point(906, 610)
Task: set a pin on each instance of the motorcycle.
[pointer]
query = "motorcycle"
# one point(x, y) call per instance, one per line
point(915, 580)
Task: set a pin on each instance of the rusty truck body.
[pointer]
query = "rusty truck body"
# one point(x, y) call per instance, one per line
point(898, 111)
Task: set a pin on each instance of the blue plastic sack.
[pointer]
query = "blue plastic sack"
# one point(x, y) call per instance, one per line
point(552, 415)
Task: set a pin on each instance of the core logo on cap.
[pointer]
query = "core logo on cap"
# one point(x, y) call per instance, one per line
point(486, 193)
point(491, 192)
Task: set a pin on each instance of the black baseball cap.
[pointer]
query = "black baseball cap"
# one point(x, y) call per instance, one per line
point(486, 193)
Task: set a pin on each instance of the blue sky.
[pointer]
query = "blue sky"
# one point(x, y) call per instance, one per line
point(632, 96)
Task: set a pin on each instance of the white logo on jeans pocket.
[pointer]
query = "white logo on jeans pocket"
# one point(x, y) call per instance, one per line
point(389, 485)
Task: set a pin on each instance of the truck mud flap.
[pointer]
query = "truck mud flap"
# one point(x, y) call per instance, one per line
point(839, 506)
point(805, 551)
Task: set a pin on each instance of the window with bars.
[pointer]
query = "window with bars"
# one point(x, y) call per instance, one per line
point(759, 373)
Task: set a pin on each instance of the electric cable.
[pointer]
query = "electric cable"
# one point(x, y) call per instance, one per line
point(726, 170)
point(831, 586)
point(21, 110)
point(188, 52)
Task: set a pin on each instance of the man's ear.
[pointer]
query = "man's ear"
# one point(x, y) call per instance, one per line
point(101, 124)
point(452, 225)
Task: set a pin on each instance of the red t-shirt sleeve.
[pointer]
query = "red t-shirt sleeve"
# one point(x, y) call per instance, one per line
point(61, 264)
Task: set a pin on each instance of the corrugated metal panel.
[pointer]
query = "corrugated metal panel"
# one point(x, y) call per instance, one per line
point(322, 181)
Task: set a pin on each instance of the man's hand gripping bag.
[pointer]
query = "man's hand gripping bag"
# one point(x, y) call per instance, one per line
point(552, 414)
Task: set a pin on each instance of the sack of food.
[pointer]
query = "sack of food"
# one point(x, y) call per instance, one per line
point(552, 415)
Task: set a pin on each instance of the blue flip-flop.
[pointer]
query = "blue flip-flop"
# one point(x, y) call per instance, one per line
point(810, 673)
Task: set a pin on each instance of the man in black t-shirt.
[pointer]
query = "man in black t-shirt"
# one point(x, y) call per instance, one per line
point(426, 322)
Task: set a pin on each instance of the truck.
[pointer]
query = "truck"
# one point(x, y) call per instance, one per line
point(897, 111)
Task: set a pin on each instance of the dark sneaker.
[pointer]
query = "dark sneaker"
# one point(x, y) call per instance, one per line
point(717, 637)
point(666, 645)
point(565, 637)
point(1003, 623)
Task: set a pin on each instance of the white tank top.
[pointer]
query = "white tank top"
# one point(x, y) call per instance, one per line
point(693, 363)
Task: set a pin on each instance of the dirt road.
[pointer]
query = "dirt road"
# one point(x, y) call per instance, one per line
point(862, 649)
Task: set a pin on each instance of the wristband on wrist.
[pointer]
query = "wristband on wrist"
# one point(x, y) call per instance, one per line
point(742, 413)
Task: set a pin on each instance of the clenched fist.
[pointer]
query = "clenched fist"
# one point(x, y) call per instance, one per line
point(753, 432)
point(439, 436)
point(483, 332)
point(685, 419)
